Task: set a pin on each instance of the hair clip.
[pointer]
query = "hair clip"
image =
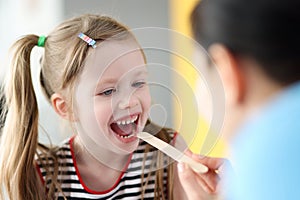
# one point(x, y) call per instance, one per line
point(87, 39)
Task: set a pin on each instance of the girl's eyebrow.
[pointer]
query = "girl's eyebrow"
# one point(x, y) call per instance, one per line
point(106, 81)
point(111, 80)
point(141, 72)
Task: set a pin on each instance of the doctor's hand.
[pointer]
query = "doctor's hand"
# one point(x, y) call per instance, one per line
point(203, 186)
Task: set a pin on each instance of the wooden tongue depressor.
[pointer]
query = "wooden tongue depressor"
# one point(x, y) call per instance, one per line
point(172, 152)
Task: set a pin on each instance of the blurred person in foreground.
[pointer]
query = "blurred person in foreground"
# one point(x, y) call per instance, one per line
point(256, 48)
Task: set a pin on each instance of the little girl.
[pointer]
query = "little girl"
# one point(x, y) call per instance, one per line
point(94, 75)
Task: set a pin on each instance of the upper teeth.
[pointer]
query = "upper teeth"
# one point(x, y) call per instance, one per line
point(129, 121)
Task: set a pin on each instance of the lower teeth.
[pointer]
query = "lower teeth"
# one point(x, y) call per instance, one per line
point(125, 136)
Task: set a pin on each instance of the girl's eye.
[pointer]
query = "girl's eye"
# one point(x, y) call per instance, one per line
point(139, 84)
point(107, 92)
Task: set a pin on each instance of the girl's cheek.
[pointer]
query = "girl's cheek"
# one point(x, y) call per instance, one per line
point(146, 99)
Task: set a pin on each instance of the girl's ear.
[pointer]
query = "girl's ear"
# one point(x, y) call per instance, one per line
point(61, 107)
point(230, 72)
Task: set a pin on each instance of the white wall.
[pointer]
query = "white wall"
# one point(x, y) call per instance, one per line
point(20, 17)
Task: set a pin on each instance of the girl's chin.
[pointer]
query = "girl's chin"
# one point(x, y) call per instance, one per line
point(127, 146)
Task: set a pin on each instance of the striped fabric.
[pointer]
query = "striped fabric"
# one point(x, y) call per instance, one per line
point(127, 187)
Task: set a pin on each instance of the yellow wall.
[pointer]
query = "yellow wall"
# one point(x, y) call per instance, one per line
point(192, 126)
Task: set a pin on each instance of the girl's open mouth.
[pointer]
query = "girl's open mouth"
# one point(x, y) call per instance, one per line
point(125, 127)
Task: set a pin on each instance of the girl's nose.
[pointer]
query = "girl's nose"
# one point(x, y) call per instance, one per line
point(128, 102)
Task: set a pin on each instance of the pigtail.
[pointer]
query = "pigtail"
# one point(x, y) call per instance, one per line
point(160, 164)
point(160, 191)
point(2, 108)
point(20, 133)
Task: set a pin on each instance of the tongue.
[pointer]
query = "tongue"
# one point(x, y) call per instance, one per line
point(123, 130)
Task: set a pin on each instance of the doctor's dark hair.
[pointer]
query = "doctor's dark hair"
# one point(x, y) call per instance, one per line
point(264, 30)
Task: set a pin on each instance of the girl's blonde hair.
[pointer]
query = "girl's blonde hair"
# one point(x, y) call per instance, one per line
point(63, 60)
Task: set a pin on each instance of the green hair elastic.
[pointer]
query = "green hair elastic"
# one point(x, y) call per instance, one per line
point(41, 41)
